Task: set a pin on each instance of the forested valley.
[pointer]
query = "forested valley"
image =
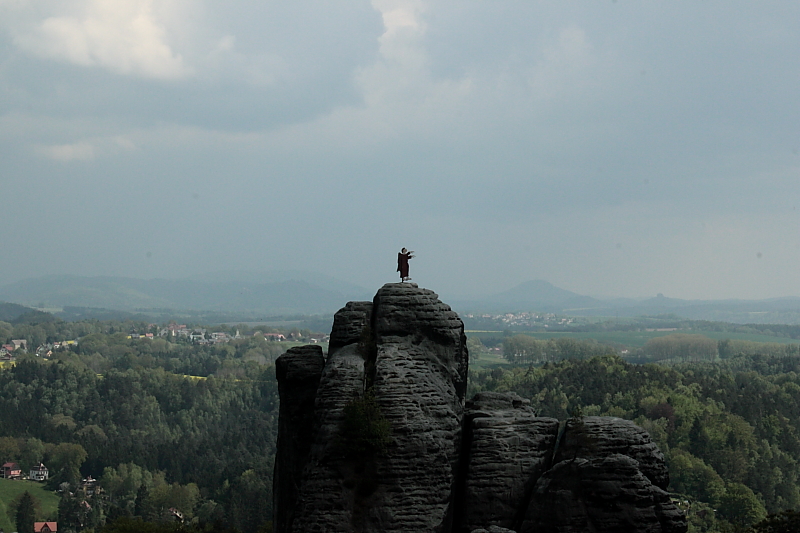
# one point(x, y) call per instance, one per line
point(164, 425)
point(160, 424)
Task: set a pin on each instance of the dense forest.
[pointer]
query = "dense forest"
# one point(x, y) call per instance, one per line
point(164, 425)
point(160, 423)
point(729, 430)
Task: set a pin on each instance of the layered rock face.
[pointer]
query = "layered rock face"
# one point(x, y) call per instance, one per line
point(447, 465)
point(608, 476)
point(409, 350)
point(507, 447)
point(299, 371)
point(420, 379)
point(324, 502)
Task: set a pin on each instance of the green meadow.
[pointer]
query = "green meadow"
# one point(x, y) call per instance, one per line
point(10, 489)
point(487, 360)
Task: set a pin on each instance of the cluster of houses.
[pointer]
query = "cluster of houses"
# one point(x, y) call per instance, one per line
point(11, 470)
point(195, 335)
point(524, 319)
point(15, 344)
point(45, 350)
point(202, 336)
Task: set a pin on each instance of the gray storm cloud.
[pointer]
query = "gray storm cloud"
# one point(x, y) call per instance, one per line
point(616, 148)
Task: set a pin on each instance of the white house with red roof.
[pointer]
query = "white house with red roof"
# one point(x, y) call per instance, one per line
point(39, 473)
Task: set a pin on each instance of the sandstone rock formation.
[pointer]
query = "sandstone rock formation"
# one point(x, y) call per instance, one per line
point(299, 371)
point(445, 465)
point(506, 448)
point(600, 494)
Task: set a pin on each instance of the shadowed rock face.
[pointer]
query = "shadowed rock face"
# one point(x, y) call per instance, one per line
point(348, 325)
point(599, 436)
point(410, 350)
point(299, 371)
point(507, 447)
point(420, 376)
point(324, 491)
point(490, 465)
point(600, 494)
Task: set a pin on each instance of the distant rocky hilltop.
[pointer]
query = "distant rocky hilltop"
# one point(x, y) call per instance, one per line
point(378, 437)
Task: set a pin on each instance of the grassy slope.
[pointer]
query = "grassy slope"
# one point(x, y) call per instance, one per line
point(9, 489)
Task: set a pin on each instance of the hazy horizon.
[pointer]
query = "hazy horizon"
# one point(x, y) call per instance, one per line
point(330, 284)
point(615, 148)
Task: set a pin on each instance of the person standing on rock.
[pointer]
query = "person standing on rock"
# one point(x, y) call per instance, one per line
point(402, 264)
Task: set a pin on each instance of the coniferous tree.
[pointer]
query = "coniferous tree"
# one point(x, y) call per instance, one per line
point(70, 513)
point(785, 522)
point(26, 513)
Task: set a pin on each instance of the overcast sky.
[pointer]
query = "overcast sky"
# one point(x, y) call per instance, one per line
point(612, 148)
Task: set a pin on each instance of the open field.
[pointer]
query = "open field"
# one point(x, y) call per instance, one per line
point(10, 489)
point(486, 360)
point(637, 339)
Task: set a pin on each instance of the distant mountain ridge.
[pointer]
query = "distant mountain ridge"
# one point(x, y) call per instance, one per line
point(282, 293)
point(278, 276)
point(289, 296)
point(19, 314)
point(535, 295)
point(10, 312)
point(542, 296)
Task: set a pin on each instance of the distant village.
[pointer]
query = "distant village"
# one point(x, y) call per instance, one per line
point(199, 336)
point(524, 319)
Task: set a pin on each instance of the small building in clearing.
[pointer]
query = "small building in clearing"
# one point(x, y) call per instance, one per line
point(39, 473)
point(12, 471)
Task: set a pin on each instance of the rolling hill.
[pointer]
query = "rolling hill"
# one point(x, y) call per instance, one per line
point(288, 296)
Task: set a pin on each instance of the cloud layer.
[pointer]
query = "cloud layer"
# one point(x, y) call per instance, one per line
point(617, 148)
point(125, 36)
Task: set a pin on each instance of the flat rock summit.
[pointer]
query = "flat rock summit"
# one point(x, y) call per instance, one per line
point(379, 437)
